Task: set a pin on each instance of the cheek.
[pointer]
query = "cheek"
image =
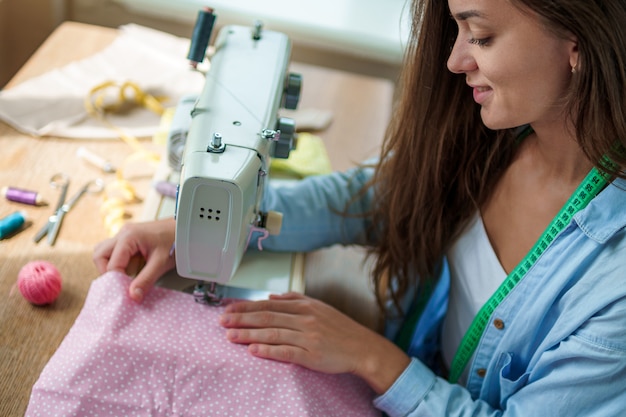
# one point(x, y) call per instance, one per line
point(501, 71)
point(522, 84)
point(548, 88)
point(548, 72)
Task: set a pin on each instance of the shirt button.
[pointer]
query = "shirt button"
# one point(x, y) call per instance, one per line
point(481, 372)
point(498, 324)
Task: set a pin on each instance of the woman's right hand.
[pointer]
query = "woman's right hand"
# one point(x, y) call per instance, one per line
point(152, 241)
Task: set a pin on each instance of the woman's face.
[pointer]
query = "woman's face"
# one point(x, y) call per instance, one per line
point(518, 70)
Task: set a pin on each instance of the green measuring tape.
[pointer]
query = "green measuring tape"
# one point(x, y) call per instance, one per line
point(586, 191)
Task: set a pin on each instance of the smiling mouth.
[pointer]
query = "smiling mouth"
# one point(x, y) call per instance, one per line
point(481, 94)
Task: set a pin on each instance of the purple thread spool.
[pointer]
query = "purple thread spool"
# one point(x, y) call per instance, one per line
point(20, 195)
point(166, 188)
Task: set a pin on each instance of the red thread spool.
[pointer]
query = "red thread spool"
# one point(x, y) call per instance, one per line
point(39, 282)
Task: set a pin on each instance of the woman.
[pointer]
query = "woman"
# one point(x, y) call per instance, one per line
point(482, 165)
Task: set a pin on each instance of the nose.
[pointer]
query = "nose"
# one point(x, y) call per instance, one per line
point(461, 59)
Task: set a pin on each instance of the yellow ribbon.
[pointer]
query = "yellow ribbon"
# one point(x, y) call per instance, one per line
point(113, 97)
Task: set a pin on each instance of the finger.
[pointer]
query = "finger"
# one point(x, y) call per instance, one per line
point(139, 287)
point(272, 336)
point(102, 253)
point(260, 319)
point(288, 296)
point(280, 353)
point(284, 305)
point(148, 276)
point(120, 257)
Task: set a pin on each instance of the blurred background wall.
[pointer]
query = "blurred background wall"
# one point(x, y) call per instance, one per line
point(362, 36)
point(24, 25)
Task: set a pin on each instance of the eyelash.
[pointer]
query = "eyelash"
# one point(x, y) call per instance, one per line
point(480, 42)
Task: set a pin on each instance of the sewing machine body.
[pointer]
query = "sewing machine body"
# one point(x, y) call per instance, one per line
point(234, 132)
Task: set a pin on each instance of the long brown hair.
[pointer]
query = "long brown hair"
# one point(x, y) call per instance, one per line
point(439, 163)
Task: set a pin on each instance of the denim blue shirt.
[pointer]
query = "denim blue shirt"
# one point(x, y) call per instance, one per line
point(562, 349)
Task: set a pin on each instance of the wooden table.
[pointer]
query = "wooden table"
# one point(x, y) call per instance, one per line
point(29, 335)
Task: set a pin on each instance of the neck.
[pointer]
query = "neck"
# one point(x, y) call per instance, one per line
point(555, 152)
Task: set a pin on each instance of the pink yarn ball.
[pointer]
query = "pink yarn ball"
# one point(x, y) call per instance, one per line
point(39, 282)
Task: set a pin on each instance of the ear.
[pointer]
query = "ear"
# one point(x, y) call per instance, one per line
point(573, 54)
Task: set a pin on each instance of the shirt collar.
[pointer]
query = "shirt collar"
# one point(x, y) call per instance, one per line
point(606, 213)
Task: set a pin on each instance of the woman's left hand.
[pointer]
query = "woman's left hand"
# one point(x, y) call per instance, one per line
point(301, 330)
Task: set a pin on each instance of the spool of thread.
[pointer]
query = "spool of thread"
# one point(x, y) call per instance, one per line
point(11, 223)
point(39, 282)
point(20, 195)
point(95, 160)
point(166, 188)
point(201, 36)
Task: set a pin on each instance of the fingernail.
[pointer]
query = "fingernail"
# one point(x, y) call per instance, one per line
point(224, 319)
point(232, 335)
point(137, 294)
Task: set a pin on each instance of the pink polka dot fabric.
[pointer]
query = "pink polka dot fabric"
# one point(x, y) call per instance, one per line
point(169, 357)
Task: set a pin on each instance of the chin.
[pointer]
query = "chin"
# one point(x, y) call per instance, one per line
point(495, 123)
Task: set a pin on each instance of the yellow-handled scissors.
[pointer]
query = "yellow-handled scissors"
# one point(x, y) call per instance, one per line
point(92, 187)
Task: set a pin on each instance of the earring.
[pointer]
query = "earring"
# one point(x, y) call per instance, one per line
point(574, 69)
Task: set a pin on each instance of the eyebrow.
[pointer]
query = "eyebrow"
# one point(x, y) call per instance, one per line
point(468, 14)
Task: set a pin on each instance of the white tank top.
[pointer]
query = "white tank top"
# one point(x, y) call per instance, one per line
point(475, 274)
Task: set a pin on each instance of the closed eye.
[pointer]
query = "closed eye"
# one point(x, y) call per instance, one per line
point(480, 42)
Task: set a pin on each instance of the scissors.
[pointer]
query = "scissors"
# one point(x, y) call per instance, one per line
point(62, 182)
point(56, 219)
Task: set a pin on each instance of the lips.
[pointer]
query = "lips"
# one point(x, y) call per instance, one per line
point(481, 93)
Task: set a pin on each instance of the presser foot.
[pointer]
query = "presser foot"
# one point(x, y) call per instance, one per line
point(214, 294)
point(207, 293)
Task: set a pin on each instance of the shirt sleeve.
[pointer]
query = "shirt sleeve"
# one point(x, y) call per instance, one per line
point(580, 377)
point(419, 392)
point(313, 211)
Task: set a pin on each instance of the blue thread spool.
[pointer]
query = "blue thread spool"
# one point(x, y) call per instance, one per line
point(11, 223)
point(201, 36)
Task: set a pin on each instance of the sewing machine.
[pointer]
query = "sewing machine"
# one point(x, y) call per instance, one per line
point(234, 130)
